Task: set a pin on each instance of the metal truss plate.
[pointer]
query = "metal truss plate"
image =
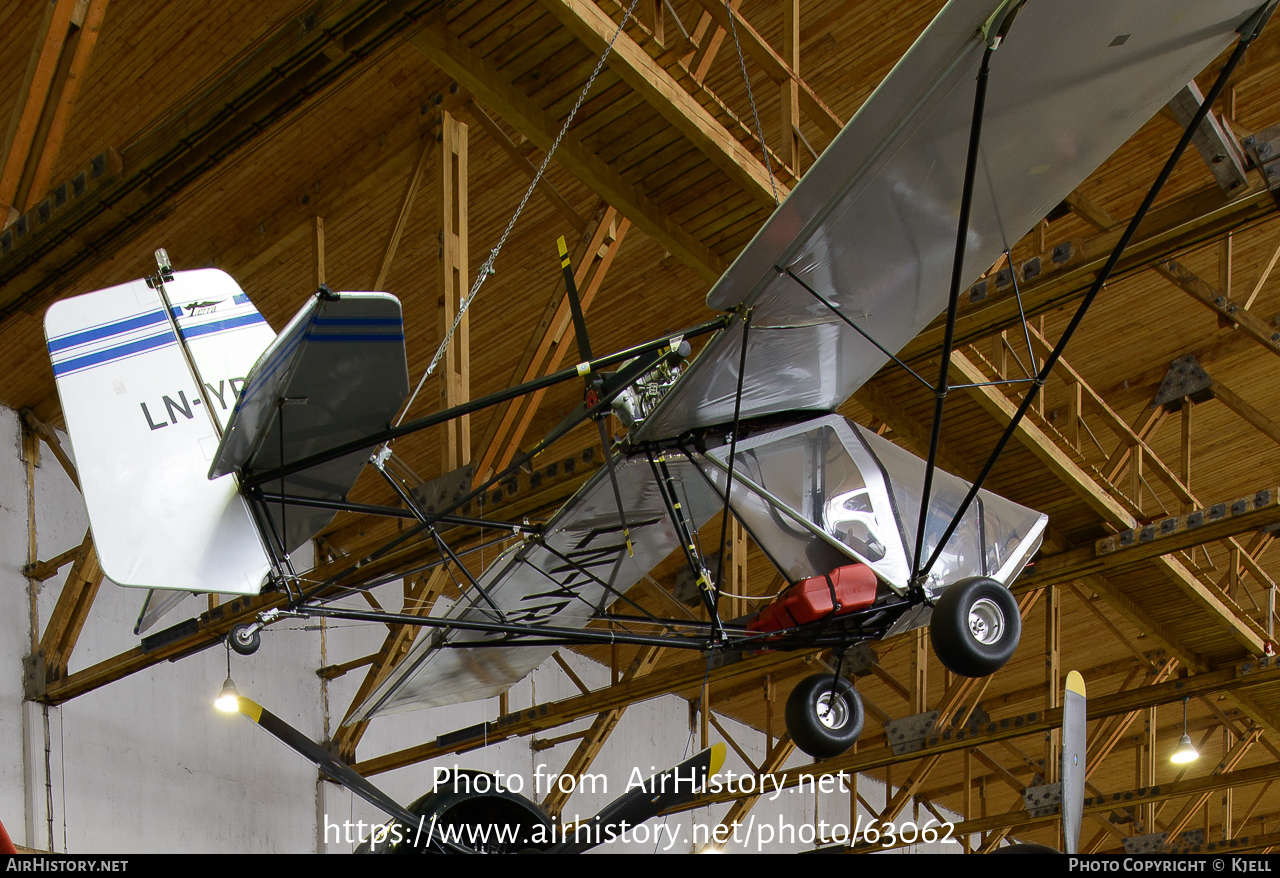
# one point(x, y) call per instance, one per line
point(1157, 843)
point(908, 735)
point(1043, 800)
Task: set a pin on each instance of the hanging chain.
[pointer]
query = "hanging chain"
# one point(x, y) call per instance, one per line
point(488, 269)
point(764, 147)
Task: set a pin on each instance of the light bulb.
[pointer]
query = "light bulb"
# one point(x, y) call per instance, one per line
point(228, 700)
point(1185, 753)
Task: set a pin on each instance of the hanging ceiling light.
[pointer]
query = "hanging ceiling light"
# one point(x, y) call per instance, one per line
point(228, 700)
point(1186, 751)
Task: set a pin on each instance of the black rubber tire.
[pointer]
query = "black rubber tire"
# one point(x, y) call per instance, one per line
point(958, 647)
point(809, 732)
point(243, 640)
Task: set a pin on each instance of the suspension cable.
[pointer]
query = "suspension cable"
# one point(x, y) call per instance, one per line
point(488, 269)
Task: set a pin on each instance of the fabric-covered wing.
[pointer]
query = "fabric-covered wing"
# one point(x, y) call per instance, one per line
point(339, 366)
point(558, 582)
point(872, 225)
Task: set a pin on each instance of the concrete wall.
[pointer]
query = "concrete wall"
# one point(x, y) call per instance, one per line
point(147, 765)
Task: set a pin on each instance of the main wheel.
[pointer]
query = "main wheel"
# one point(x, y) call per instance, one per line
point(824, 715)
point(245, 639)
point(975, 627)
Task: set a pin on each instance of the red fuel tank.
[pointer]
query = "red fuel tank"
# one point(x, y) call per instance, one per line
point(810, 599)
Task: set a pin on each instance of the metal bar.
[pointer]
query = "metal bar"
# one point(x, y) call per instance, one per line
point(475, 405)
point(397, 512)
point(858, 329)
point(733, 452)
point(568, 635)
point(953, 302)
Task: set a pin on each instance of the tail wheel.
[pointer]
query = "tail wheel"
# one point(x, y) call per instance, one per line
point(975, 627)
point(824, 715)
point(245, 639)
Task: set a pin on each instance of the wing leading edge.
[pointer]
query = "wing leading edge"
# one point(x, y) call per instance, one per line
point(872, 225)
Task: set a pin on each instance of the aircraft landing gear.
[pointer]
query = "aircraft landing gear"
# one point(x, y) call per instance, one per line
point(246, 638)
point(975, 627)
point(824, 715)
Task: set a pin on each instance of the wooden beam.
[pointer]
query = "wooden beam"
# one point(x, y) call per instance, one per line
point(601, 728)
point(772, 762)
point(492, 89)
point(1220, 303)
point(1133, 548)
point(782, 69)
point(243, 102)
point(69, 614)
point(1020, 819)
point(1257, 419)
point(491, 127)
point(1089, 210)
point(81, 38)
point(633, 65)
point(1213, 140)
point(1228, 763)
point(317, 252)
point(545, 353)
point(50, 437)
point(685, 675)
point(1045, 449)
point(1185, 223)
point(402, 218)
point(36, 88)
point(453, 278)
point(1219, 609)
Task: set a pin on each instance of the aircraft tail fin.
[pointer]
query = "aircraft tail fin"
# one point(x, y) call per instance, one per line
point(141, 440)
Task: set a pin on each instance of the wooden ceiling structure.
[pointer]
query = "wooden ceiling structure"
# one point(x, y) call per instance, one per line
point(333, 141)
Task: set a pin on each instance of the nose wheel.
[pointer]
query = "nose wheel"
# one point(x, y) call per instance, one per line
point(824, 715)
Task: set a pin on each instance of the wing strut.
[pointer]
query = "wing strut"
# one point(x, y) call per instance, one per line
point(1248, 33)
point(957, 271)
point(733, 452)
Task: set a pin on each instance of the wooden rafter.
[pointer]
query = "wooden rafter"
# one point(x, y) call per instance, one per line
point(593, 740)
point(551, 339)
point(779, 69)
point(418, 602)
point(493, 90)
point(650, 80)
point(1220, 303)
point(247, 100)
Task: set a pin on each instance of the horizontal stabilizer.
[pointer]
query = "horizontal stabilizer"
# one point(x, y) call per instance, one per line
point(336, 373)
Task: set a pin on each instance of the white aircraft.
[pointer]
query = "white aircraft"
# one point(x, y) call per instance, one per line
point(998, 112)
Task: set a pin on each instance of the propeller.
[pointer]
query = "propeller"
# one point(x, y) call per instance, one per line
point(324, 760)
point(1073, 761)
point(1072, 772)
point(594, 380)
point(671, 788)
point(668, 789)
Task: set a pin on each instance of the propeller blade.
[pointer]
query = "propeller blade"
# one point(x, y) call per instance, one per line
point(575, 306)
point(321, 759)
point(1073, 760)
point(671, 788)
